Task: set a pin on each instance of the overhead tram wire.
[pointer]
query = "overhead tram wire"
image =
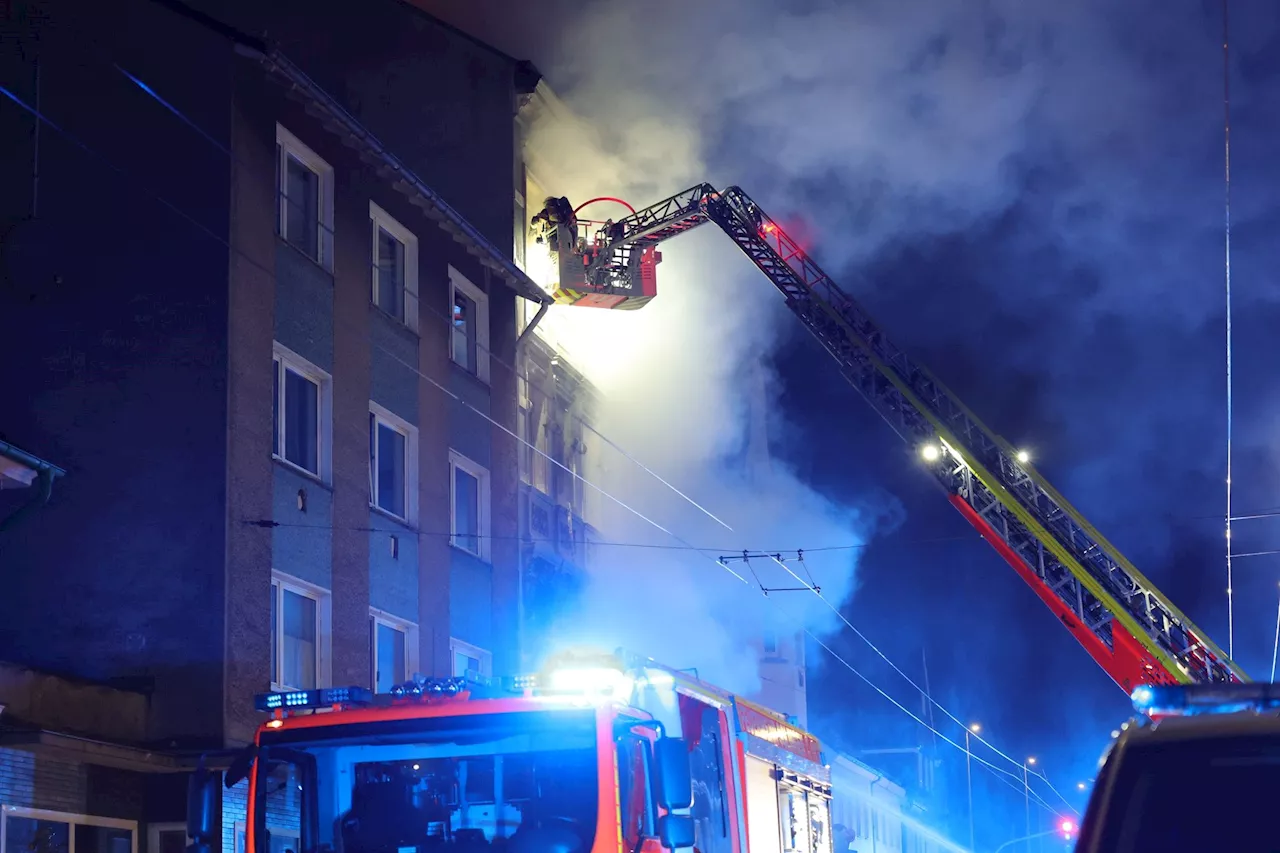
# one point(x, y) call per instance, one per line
point(492, 356)
point(926, 694)
point(146, 88)
point(218, 238)
point(1226, 135)
point(42, 117)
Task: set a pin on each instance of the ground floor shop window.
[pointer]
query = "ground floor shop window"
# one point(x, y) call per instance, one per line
point(37, 831)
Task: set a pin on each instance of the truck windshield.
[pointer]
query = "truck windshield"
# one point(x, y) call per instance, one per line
point(1234, 780)
point(501, 783)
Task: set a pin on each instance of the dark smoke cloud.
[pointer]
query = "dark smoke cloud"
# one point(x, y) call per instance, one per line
point(1028, 195)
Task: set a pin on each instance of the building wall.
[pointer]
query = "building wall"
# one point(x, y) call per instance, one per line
point(113, 353)
point(326, 534)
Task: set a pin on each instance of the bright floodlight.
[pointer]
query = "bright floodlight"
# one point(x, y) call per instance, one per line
point(1031, 761)
point(1067, 825)
point(1081, 786)
point(975, 727)
point(599, 680)
point(1024, 457)
point(930, 452)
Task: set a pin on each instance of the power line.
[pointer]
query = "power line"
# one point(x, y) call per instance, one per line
point(431, 380)
point(40, 116)
point(1226, 136)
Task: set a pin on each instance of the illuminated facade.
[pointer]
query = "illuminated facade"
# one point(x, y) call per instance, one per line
point(556, 406)
point(271, 339)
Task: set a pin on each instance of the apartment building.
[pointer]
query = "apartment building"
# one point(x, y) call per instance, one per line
point(260, 303)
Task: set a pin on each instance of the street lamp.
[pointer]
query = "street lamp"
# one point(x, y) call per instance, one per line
point(974, 728)
point(1081, 786)
point(930, 452)
point(1066, 826)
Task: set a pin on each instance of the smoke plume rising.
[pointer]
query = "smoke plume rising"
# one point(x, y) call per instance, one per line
point(686, 390)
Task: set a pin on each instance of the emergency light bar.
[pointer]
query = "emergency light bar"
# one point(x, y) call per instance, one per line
point(325, 697)
point(432, 687)
point(1192, 699)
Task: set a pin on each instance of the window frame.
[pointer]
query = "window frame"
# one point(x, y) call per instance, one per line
point(287, 145)
point(380, 219)
point(471, 650)
point(71, 819)
point(409, 629)
point(459, 462)
point(155, 829)
point(281, 358)
point(459, 283)
point(384, 416)
point(324, 627)
point(238, 840)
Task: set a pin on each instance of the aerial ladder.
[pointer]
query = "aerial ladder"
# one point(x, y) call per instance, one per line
point(1127, 625)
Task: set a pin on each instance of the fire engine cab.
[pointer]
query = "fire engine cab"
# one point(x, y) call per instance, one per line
point(596, 754)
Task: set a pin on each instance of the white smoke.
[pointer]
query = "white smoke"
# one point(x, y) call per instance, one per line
point(685, 390)
point(879, 123)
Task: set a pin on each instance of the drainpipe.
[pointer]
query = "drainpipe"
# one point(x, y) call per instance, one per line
point(542, 309)
point(46, 474)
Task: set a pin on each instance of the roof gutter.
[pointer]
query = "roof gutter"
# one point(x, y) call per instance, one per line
point(390, 168)
point(46, 473)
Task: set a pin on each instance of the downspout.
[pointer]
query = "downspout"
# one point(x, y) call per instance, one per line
point(542, 309)
point(875, 812)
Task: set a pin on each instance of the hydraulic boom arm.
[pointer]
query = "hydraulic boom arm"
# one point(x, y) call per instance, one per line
point(1129, 627)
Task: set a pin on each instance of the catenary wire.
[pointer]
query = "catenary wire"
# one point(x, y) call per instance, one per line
point(1226, 137)
point(40, 116)
point(431, 380)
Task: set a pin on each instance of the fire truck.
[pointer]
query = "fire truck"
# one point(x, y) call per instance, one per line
point(596, 754)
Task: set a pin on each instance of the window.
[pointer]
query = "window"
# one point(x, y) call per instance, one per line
point(282, 839)
point(770, 643)
point(300, 615)
point(469, 492)
point(524, 429)
point(470, 659)
point(395, 267)
point(633, 791)
point(300, 411)
point(394, 646)
point(521, 223)
point(393, 464)
point(59, 832)
point(470, 325)
point(166, 838)
point(305, 184)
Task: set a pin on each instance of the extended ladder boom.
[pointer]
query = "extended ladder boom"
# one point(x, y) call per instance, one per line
point(1129, 627)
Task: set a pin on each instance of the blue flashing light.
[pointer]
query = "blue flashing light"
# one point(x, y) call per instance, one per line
point(432, 688)
point(1163, 700)
point(325, 697)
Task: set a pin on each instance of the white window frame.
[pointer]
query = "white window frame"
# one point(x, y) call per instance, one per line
point(471, 650)
point(460, 283)
point(238, 834)
point(282, 357)
point(481, 473)
point(289, 144)
point(385, 417)
point(379, 218)
point(72, 819)
point(409, 629)
point(324, 626)
point(154, 830)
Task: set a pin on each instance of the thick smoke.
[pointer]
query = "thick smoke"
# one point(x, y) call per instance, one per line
point(1040, 182)
point(685, 390)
